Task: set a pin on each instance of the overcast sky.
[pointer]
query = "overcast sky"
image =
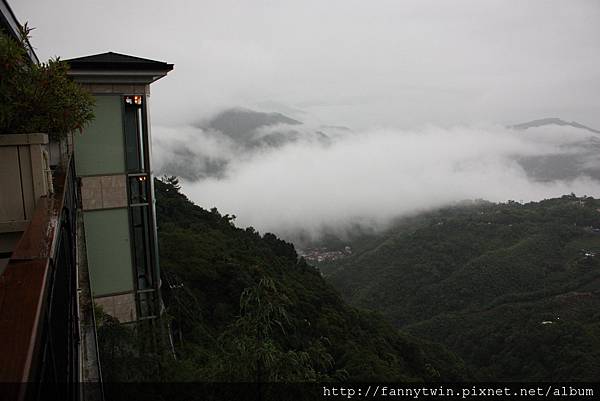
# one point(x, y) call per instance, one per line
point(379, 63)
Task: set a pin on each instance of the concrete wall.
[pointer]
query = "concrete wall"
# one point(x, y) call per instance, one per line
point(24, 178)
point(104, 192)
point(121, 89)
point(23, 175)
point(120, 306)
point(109, 251)
point(100, 149)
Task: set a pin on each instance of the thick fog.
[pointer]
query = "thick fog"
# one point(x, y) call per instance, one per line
point(370, 177)
point(427, 87)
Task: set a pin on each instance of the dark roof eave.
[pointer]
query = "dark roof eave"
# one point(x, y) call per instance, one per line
point(112, 61)
point(117, 67)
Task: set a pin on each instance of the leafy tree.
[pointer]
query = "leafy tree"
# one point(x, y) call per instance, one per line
point(251, 350)
point(244, 307)
point(38, 97)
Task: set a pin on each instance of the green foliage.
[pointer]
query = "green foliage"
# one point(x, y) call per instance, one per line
point(244, 307)
point(249, 350)
point(129, 352)
point(482, 278)
point(38, 98)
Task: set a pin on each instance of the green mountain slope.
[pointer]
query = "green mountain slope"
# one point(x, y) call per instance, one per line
point(245, 308)
point(483, 278)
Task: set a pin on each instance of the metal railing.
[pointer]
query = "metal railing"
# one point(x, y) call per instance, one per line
point(39, 328)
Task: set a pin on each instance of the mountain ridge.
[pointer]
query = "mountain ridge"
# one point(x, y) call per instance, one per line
point(237, 122)
point(551, 121)
point(489, 281)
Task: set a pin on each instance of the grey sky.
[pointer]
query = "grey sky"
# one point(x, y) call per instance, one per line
point(358, 63)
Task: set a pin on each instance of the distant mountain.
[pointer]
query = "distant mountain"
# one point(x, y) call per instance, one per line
point(552, 121)
point(238, 123)
point(190, 166)
point(252, 129)
point(575, 159)
point(247, 131)
point(501, 285)
point(336, 127)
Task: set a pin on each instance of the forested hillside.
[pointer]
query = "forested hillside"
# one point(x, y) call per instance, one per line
point(245, 308)
point(513, 289)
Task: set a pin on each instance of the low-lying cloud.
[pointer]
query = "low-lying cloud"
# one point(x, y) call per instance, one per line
point(371, 177)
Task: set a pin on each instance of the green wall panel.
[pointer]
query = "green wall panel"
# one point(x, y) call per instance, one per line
point(100, 149)
point(108, 251)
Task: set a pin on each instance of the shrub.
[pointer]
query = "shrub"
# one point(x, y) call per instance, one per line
point(38, 97)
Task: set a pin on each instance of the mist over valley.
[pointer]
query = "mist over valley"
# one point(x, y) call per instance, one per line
point(301, 180)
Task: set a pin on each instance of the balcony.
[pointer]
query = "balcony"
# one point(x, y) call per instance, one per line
point(40, 296)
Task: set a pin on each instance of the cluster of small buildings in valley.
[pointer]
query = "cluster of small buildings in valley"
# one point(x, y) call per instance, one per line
point(318, 255)
point(545, 322)
point(588, 254)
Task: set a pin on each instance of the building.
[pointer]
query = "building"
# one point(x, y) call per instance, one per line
point(113, 161)
point(77, 227)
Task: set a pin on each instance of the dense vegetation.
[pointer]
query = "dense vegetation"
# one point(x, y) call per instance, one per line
point(245, 308)
point(38, 97)
point(513, 289)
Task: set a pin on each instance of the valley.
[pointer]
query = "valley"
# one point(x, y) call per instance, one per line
point(513, 289)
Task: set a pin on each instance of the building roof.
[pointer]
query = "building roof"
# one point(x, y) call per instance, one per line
point(115, 68)
point(117, 62)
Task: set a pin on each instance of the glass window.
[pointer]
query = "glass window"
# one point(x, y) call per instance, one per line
point(147, 304)
point(141, 230)
point(134, 133)
point(138, 189)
